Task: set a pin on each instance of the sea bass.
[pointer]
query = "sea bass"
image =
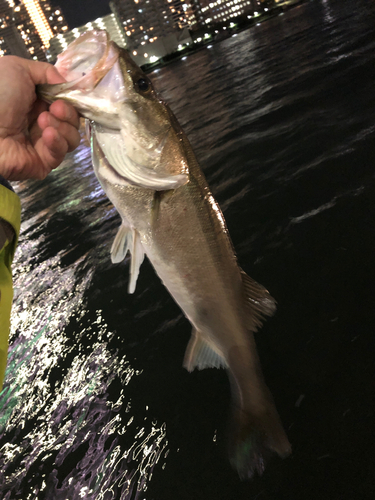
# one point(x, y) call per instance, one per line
point(146, 166)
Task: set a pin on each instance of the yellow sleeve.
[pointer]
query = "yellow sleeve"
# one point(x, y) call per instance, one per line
point(10, 211)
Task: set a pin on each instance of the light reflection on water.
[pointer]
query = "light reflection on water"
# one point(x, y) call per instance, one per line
point(55, 398)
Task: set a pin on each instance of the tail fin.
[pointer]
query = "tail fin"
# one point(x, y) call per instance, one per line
point(254, 439)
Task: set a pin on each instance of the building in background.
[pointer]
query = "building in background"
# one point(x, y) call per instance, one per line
point(194, 14)
point(28, 26)
point(144, 21)
point(221, 11)
point(153, 28)
point(11, 41)
point(108, 23)
point(178, 12)
point(34, 28)
point(55, 17)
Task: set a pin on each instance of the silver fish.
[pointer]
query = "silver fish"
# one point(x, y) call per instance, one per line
point(147, 168)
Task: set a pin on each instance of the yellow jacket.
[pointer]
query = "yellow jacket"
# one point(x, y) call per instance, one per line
point(10, 212)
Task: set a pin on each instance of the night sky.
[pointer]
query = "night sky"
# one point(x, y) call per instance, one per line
point(79, 12)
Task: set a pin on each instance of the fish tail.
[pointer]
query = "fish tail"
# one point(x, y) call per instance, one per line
point(254, 438)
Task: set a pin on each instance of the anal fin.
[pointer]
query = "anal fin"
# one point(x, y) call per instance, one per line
point(200, 354)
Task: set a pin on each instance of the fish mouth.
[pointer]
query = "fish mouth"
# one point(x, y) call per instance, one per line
point(83, 65)
point(87, 59)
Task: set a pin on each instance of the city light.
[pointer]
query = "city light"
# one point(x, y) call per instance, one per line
point(39, 20)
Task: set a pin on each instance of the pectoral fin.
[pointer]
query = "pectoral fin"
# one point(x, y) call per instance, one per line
point(127, 239)
point(114, 148)
point(200, 354)
point(138, 255)
point(258, 302)
point(121, 244)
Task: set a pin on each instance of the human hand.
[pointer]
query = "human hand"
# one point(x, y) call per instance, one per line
point(34, 137)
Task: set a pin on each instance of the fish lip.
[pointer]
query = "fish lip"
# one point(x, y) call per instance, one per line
point(100, 67)
point(90, 79)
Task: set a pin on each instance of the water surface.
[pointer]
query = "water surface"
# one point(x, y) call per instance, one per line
point(96, 404)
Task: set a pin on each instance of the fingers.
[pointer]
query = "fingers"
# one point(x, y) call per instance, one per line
point(38, 108)
point(41, 72)
point(52, 148)
point(53, 137)
point(68, 130)
point(52, 133)
point(65, 112)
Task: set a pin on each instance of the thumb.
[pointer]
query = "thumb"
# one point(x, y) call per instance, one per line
point(42, 72)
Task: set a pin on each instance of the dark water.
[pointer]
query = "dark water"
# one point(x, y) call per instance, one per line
point(96, 404)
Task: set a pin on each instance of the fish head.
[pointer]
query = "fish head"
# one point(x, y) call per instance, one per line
point(133, 127)
point(106, 86)
point(84, 64)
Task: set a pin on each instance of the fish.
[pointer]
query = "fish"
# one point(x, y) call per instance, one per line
point(147, 168)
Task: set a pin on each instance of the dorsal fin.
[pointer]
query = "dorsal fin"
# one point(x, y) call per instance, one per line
point(258, 302)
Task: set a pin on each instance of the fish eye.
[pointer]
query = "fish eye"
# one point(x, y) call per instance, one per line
point(143, 85)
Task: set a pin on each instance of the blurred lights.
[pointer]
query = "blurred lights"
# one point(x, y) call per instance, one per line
point(39, 20)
